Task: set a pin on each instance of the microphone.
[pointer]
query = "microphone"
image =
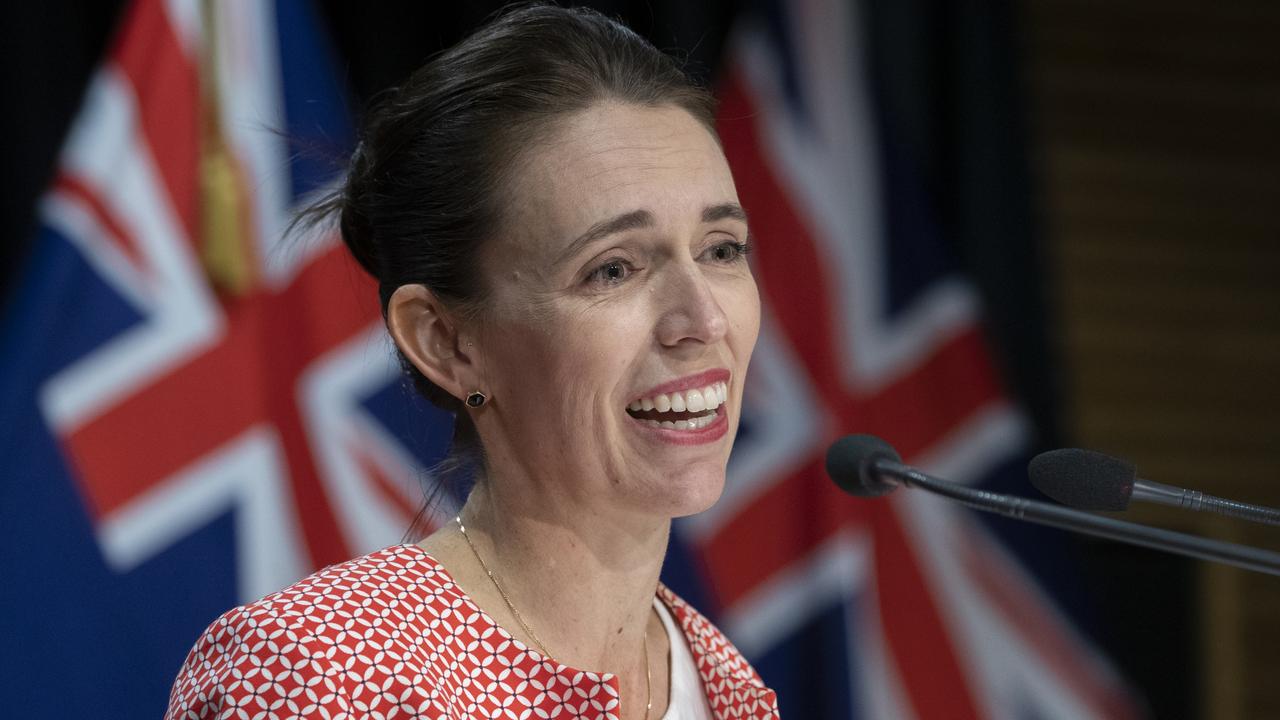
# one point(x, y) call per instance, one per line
point(866, 466)
point(1088, 480)
point(851, 465)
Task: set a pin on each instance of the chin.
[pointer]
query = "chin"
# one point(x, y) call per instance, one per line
point(692, 491)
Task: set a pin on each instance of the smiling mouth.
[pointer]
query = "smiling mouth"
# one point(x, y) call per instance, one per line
point(692, 409)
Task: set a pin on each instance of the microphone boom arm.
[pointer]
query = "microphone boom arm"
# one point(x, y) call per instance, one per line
point(1065, 518)
point(1150, 491)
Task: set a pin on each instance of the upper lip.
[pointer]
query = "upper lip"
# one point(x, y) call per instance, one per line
point(697, 381)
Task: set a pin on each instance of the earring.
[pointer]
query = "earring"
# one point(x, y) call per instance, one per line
point(475, 398)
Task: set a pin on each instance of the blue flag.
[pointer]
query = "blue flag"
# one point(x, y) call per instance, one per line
point(197, 410)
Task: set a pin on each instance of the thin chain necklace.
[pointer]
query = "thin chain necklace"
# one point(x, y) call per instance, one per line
point(648, 679)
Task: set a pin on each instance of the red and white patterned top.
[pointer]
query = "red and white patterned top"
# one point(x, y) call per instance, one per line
point(389, 635)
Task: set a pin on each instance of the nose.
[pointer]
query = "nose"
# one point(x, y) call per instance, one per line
point(691, 313)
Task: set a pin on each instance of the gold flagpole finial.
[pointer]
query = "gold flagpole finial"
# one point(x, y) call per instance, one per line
point(226, 233)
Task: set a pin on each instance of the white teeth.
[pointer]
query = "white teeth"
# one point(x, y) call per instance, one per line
point(697, 400)
point(682, 425)
point(711, 397)
point(693, 401)
point(668, 424)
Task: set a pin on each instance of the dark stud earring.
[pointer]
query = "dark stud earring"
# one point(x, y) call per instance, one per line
point(476, 398)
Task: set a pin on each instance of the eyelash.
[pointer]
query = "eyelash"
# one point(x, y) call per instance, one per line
point(740, 251)
point(598, 276)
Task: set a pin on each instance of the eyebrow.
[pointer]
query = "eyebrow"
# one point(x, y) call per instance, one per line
point(637, 219)
point(723, 211)
point(633, 220)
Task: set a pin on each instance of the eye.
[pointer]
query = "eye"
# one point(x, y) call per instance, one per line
point(728, 252)
point(611, 272)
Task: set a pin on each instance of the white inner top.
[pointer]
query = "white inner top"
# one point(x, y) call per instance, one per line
point(687, 700)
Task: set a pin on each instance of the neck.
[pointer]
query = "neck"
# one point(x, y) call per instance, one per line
point(583, 582)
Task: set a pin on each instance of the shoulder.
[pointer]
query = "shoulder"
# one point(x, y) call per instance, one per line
point(361, 599)
point(365, 587)
point(727, 676)
point(298, 647)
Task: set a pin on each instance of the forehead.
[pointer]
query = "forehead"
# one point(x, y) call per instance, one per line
point(615, 158)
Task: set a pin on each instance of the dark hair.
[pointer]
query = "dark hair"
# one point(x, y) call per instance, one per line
point(423, 190)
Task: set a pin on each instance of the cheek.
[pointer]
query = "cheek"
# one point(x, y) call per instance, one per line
point(601, 349)
point(573, 360)
point(743, 312)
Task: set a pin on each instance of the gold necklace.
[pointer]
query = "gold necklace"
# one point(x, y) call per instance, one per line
point(648, 675)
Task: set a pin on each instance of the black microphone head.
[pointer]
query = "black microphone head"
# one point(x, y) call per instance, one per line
point(1083, 479)
point(849, 463)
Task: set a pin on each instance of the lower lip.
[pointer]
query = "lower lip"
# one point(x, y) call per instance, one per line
point(701, 436)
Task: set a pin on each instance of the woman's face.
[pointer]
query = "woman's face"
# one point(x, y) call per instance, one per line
point(622, 315)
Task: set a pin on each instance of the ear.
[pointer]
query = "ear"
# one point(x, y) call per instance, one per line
point(428, 336)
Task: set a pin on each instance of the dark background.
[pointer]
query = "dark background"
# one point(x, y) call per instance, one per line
point(1091, 164)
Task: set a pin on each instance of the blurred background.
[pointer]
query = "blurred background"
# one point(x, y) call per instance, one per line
point(1103, 175)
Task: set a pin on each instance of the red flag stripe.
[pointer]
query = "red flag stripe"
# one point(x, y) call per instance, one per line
point(913, 627)
point(791, 275)
point(388, 487)
point(116, 234)
point(808, 491)
point(912, 412)
point(919, 409)
point(790, 526)
point(1036, 625)
point(789, 520)
point(167, 84)
point(248, 378)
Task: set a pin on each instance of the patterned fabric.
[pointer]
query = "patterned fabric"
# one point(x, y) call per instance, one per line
point(390, 635)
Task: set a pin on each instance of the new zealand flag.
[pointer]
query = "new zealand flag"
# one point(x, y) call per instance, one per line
point(199, 409)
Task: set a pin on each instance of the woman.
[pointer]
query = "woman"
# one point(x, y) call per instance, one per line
point(561, 257)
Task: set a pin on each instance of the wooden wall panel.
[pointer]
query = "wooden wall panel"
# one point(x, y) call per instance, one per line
point(1156, 133)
